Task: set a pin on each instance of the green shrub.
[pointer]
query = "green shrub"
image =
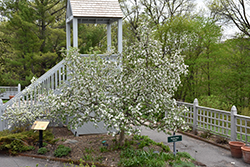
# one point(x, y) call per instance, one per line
point(4, 133)
point(42, 150)
point(62, 151)
point(19, 142)
point(15, 146)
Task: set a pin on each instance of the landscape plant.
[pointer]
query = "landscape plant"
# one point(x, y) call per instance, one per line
point(20, 142)
point(134, 88)
point(62, 151)
point(42, 150)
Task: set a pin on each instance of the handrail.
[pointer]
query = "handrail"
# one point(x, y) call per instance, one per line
point(39, 80)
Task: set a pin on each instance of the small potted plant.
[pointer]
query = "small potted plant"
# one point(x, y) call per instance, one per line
point(246, 153)
point(235, 148)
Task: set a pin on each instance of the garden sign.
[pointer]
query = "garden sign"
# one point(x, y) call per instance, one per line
point(41, 126)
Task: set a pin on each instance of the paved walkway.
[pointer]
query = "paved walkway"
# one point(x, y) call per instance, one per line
point(208, 154)
point(20, 161)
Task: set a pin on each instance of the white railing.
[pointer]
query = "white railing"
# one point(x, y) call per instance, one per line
point(52, 79)
point(7, 91)
point(224, 123)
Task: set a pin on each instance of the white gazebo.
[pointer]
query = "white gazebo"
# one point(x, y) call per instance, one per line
point(93, 12)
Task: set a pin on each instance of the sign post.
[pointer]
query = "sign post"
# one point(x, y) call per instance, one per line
point(174, 138)
point(41, 126)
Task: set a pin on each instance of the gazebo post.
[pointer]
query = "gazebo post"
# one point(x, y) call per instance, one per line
point(75, 32)
point(120, 35)
point(109, 37)
point(68, 38)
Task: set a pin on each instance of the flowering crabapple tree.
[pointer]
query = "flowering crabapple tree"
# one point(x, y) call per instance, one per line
point(132, 89)
point(21, 113)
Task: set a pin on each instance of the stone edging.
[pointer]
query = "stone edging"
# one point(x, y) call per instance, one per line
point(200, 138)
point(63, 160)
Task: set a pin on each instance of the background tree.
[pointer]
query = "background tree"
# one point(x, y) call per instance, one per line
point(94, 36)
point(233, 11)
point(234, 72)
point(197, 39)
point(33, 31)
point(154, 11)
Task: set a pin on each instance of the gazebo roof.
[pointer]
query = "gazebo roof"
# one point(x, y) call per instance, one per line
point(94, 9)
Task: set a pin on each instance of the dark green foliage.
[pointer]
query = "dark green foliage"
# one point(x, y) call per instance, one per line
point(163, 146)
point(4, 133)
point(15, 146)
point(21, 141)
point(42, 150)
point(92, 38)
point(200, 55)
point(130, 156)
point(30, 39)
point(62, 151)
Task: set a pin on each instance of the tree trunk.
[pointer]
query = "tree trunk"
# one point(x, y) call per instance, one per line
point(122, 137)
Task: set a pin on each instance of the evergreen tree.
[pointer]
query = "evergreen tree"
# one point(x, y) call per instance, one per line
point(34, 31)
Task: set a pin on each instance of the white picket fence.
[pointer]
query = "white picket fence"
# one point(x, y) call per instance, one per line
point(7, 91)
point(224, 123)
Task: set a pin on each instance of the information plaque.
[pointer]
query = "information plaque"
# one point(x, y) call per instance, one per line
point(174, 138)
point(40, 125)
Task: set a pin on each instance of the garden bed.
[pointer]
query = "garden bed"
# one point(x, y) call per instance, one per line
point(103, 150)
